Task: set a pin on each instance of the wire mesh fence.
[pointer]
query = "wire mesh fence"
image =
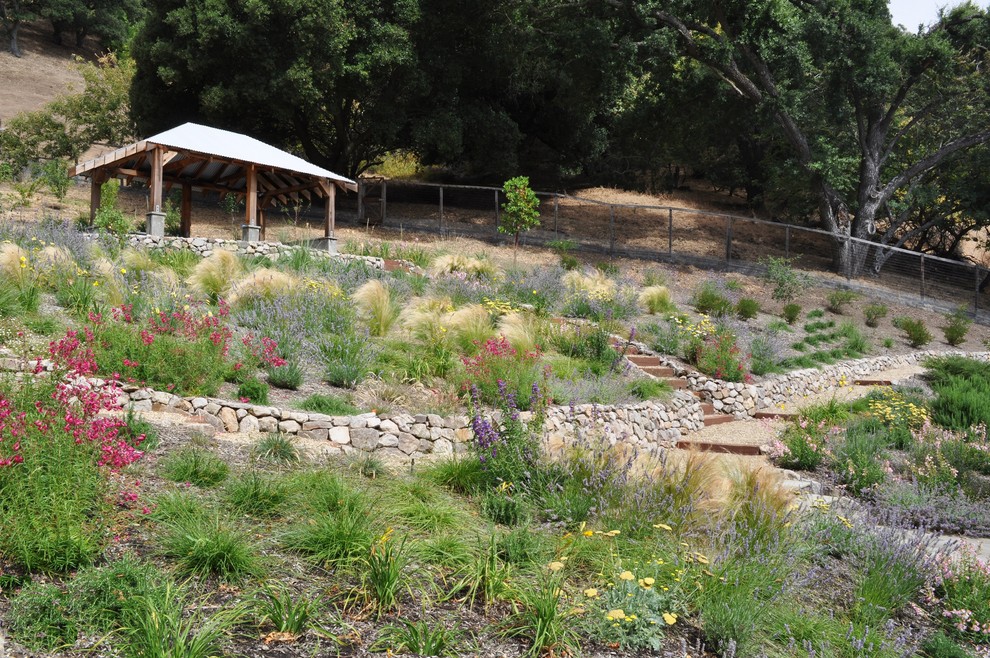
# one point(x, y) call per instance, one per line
point(680, 235)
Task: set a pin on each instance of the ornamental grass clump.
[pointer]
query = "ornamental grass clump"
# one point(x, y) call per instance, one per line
point(261, 286)
point(213, 276)
point(656, 300)
point(376, 307)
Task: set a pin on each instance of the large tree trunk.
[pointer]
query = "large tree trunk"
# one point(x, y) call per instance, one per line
point(14, 28)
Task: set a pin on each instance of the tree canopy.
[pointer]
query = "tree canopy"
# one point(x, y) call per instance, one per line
point(867, 109)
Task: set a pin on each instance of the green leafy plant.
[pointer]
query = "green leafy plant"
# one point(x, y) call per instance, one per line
point(747, 309)
point(253, 390)
point(289, 376)
point(873, 313)
point(915, 331)
point(206, 545)
point(256, 495)
point(708, 300)
point(521, 210)
point(543, 619)
point(956, 327)
point(330, 405)
point(786, 281)
point(650, 389)
point(108, 216)
point(383, 572)
point(837, 300)
point(39, 618)
point(791, 312)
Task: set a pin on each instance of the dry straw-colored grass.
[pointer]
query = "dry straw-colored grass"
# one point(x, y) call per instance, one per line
point(476, 267)
point(10, 261)
point(213, 276)
point(262, 284)
point(656, 299)
point(470, 325)
point(593, 284)
point(376, 306)
point(524, 331)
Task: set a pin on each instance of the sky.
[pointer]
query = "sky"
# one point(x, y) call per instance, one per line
point(911, 13)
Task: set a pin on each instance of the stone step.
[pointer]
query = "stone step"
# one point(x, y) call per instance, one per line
point(873, 382)
point(720, 448)
point(643, 360)
point(718, 419)
point(676, 384)
point(707, 408)
point(660, 371)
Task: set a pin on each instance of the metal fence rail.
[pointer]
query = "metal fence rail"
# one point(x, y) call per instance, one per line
point(672, 234)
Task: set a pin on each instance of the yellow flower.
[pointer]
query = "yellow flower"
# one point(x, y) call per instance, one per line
point(555, 566)
point(588, 533)
point(96, 284)
point(591, 593)
point(670, 618)
point(626, 575)
point(615, 615)
point(646, 583)
point(662, 526)
point(123, 271)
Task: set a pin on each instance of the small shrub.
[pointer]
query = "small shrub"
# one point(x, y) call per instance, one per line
point(791, 312)
point(607, 268)
point(719, 356)
point(873, 313)
point(888, 343)
point(815, 314)
point(965, 601)
point(569, 262)
point(39, 618)
point(837, 300)
point(787, 283)
point(956, 327)
point(915, 331)
point(254, 390)
point(747, 308)
point(802, 446)
point(195, 466)
point(709, 301)
point(543, 619)
point(500, 506)
point(500, 366)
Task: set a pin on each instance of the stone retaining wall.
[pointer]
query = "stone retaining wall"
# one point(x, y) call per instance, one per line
point(766, 394)
point(649, 426)
point(206, 246)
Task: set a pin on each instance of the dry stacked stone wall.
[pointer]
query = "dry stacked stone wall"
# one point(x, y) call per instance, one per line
point(206, 246)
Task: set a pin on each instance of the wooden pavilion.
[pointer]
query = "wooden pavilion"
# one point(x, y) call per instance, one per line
point(199, 158)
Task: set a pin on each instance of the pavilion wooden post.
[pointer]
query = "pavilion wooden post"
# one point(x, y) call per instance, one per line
point(250, 232)
point(155, 224)
point(95, 194)
point(261, 219)
point(185, 227)
point(330, 213)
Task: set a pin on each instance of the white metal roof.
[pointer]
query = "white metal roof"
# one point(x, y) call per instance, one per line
point(226, 144)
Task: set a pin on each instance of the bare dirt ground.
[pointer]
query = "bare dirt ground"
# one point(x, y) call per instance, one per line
point(45, 71)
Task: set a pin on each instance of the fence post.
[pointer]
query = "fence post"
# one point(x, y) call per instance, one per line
point(611, 231)
point(976, 292)
point(728, 239)
point(787, 240)
point(441, 209)
point(922, 276)
point(556, 208)
point(384, 200)
point(848, 249)
point(670, 232)
point(496, 213)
